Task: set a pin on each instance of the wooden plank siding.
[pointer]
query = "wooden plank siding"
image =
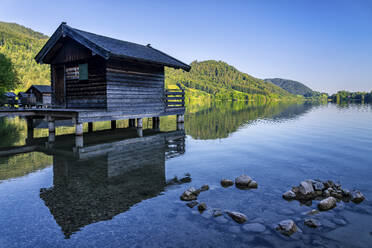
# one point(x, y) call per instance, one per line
point(89, 93)
point(134, 87)
point(77, 93)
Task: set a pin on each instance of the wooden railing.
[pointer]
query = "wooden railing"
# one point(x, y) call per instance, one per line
point(175, 98)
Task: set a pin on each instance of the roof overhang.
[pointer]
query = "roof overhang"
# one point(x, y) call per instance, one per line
point(65, 31)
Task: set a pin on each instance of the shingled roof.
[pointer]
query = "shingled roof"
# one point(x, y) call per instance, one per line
point(41, 88)
point(108, 47)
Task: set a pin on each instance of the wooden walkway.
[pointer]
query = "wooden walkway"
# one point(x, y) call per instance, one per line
point(87, 115)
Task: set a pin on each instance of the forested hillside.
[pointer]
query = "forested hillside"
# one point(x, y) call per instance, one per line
point(224, 82)
point(291, 86)
point(20, 45)
point(206, 80)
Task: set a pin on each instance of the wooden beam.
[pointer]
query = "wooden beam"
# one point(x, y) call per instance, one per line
point(90, 127)
point(113, 124)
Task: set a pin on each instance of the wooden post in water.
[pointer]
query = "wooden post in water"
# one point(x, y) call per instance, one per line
point(113, 124)
point(139, 127)
point(180, 126)
point(155, 123)
point(139, 122)
point(30, 128)
point(132, 123)
point(52, 129)
point(180, 118)
point(90, 127)
point(79, 141)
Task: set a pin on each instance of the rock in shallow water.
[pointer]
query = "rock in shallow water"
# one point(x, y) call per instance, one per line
point(287, 227)
point(340, 222)
point(289, 195)
point(327, 203)
point(192, 204)
point(306, 189)
point(311, 223)
point(312, 212)
point(243, 181)
point(237, 217)
point(254, 227)
point(190, 194)
point(226, 183)
point(356, 196)
point(318, 186)
point(217, 212)
point(205, 187)
point(253, 184)
point(202, 206)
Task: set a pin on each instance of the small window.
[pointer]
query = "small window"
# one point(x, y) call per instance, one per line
point(83, 71)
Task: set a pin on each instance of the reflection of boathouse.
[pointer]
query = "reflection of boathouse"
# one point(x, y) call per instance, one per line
point(103, 180)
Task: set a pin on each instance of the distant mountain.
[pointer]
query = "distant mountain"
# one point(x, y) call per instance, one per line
point(291, 86)
point(223, 81)
point(21, 44)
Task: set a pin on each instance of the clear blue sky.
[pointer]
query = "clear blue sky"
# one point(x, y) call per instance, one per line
point(325, 44)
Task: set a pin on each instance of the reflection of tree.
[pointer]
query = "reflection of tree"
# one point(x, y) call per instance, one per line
point(9, 133)
point(224, 118)
point(22, 164)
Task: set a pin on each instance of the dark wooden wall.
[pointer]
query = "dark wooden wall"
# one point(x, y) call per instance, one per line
point(89, 93)
point(116, 84)
point(134, 87)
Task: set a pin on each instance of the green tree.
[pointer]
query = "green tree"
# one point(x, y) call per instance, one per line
point(8, 75)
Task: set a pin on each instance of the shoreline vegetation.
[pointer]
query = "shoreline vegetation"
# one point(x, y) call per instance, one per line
point(208, 81)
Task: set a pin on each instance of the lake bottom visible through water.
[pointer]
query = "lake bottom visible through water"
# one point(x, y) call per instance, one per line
point(124, 191)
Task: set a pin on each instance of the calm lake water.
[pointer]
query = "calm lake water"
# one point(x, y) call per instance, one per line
point(121, 191)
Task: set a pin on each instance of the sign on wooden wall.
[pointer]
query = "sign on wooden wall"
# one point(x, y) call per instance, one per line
point(72, 73)
point(77, 72)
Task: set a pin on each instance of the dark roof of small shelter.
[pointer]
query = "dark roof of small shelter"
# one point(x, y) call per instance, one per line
point(41, 88)
point(23, 94)
point(9, 94)
point(107, 47)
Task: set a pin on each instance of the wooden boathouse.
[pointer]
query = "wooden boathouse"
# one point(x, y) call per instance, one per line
point(97, 78)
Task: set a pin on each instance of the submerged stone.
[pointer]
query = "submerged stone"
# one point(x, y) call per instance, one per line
point(192, 204)
point(205, 187)
point(289, 195)
point(327, 203)
point(311, 223)
point(226, 183)
point(217, 212)
point(237, 217)
point(318, 186)
point(340, 222)
point(313, 212)
point(243, 181)
point(253, 184)
point(254, 227)
point(287, 227)
point(306, 189)
point(357, 196)
point(190, 194)
point(202, 206)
